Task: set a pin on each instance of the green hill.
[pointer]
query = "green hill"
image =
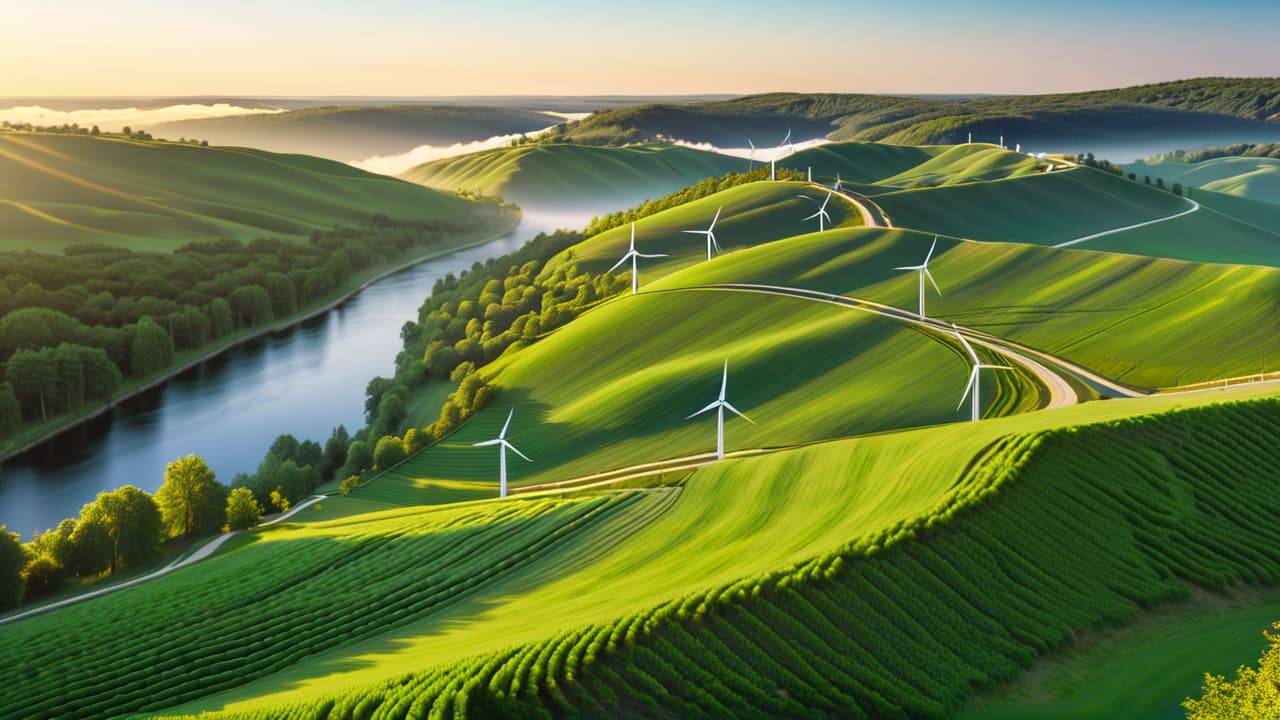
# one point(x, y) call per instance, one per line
point(1256, 178)
point(350, 133)
point(57, 190)
point(1145, 321)
point(573, 176)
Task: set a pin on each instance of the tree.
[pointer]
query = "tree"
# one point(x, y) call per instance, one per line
point(251, 305)
point(284, 301)
point(152, 349)
point(10, 410)
point(131, 520)
point(41, 574)
point(13, 558)
point(243, 510)
point(34, 379)
point(191, 500)
point(390, 450)
point(348, 486)
point(90, 551)
point(220, 321)
point(285, 447)
point(415, 440)
point(391, 412)
point(1253, 693)
point(335, 451)
point(359, 458)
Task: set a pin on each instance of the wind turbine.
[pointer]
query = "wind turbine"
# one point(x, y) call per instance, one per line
point(838, 186)
point(773, 162)
point(923, 269)
point(710, 233)
point(501, 441)
point(719, 406)
point(822, 211)
point(632, 255)
point(975, 376)
point(751, 159)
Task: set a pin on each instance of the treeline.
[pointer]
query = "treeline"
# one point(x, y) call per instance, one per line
point(708, 186)
point(72, 327)
point(1264, 150)
point(94, 131)
point(123, 528)
point(1108, 166)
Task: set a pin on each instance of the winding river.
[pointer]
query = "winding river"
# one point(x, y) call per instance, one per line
point(303, 381)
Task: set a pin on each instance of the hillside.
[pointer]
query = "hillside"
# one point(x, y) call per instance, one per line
point(1256, 178)
point(591, 179)
point(57, 190)
point(1124, 121)
point(350, 133)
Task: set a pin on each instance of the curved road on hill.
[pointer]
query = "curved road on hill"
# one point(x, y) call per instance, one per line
point(1194, 207)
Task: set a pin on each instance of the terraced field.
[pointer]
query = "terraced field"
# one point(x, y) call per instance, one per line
point(1144, 321)
point(57, 190)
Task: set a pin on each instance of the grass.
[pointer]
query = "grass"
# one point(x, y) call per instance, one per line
point(1142, 672)
point(574, 176)
point(56, 190)
point(803, 371)
point(1255, 178)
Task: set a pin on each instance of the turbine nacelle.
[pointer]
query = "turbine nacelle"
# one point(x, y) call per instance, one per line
point(821, 215)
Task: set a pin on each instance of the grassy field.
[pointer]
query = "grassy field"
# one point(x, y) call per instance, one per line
point(575, 176)
point(1142, 672)
point(802, 371)
point(1248, 177)
point(57, 190)
point(1145, 321)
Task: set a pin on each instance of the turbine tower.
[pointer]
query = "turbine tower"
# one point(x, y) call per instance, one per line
point(719, 406)
point(710, 233)
point(632, 255)
point(975, 377)
point(751, 158)
point(822, 211)
point(504, 446)
point(923, 269)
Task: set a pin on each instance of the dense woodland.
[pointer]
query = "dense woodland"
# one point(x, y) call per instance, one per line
point(74, 327)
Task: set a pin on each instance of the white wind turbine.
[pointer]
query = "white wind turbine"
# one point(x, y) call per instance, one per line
point(773, 163)
point(632, 255)
point(838, 186)
point(975, 377)
point(923, 269)
point(710, 233)
point(822, 211)
point(501, 441)
point(751, 158)
point(719, 406)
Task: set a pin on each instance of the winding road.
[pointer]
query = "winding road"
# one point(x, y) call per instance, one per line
point(1194, 207)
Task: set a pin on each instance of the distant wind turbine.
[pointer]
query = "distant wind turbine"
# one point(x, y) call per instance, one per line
point(632, 255)
point(923, 269)
point(822, 211)
point(838, 186)
point(501, 441)
point(751, 159)
point(774, 162)
point(975, 377)
point(719, 406)
point(710, 233)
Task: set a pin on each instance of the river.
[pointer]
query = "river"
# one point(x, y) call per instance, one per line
point(304, 380)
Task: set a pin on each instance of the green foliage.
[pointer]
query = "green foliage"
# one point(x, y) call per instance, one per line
point(152, 349)
point(279, 500)
point(1265, 150)
point(191, 500)
point(359, 458)
point(132, 523)
point(348, 486)
point(388, 452)
point(243, 510)
point(12, 561)
point(1254, 693)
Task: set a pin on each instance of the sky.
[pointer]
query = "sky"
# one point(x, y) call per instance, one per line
point(591, 47)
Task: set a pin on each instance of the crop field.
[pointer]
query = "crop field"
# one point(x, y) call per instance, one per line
point(574, 175)
point(875, 606)
point(1144, 321)
point(57, 190)
point(802, 371)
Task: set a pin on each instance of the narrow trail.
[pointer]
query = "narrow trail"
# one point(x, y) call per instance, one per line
point(201, 553)
point(1195, 206)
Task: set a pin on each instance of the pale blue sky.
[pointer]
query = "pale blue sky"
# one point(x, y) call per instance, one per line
point(397, 47)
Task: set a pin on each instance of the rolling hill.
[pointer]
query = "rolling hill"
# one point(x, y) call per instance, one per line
point(592, 179)
point(57, 190)
point(1122, 123)
point(1256, 178)
point(350, 133)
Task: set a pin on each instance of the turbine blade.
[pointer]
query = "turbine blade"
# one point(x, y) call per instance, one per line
point(624, 259)
point(995, 367)
point(715, 219)
point(931, 249)
point(968, 348)
point(973, 375)
point(929, 275)
point(812, 216)
point(696, 232)
point(506, 424)
point(712, 406)
point(910, 267)
point(824, 202)
point(643, 255)
point(739, 413)
point(513, 449)
point(495, 441)
point(806, 197)
point(724, 380)
point(714, 244)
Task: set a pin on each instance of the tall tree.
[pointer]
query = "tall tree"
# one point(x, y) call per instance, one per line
point(131, 520)
point(191, 500)
point(220, 319)
point(34, 377)
point(13, 558)
point(152, 349)
point(10, 410)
